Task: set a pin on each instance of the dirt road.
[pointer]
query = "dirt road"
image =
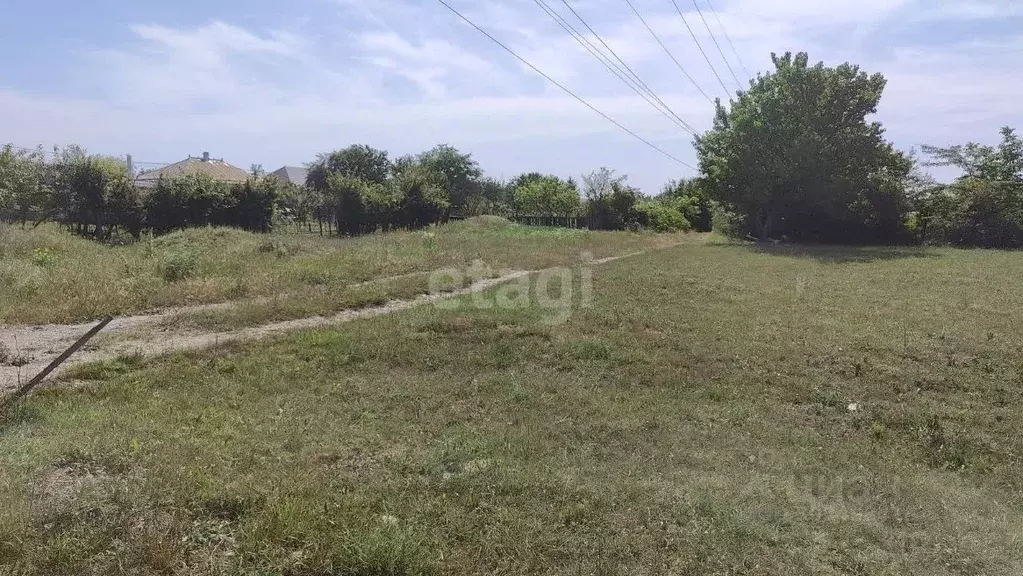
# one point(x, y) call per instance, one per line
point(146, 333)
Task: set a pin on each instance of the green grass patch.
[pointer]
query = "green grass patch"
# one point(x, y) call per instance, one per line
point(106, 369)
point(718, 410)
point(50, 276)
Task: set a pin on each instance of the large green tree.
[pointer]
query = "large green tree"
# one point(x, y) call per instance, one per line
point(983, 207)
point(796, 157)
point(459, 174)
point(547, 196)
point(357, 161)
point(1003, 162)
point(421, 196)
point(24, 194)
point(610, 202)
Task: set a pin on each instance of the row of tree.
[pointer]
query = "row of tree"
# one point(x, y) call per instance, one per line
point(794, 157)
point(355, 190)
point(361, 189)
point(96, 196)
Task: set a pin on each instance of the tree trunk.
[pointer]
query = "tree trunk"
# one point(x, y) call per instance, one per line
point(766, 223)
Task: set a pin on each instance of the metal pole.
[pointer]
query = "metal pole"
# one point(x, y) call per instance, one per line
point(21, 392)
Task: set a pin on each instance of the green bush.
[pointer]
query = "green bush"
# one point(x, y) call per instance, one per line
point(179, 265)
point(275, 247)
point(547, 196)
point(728, 223)
point(43, 257)
point(974, 212)
point(689, 198)
point(614, 208)
point(661, 217)
point(982, 208)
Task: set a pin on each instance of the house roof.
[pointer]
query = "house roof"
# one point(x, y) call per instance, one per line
point(293, 174)
point(215, 168)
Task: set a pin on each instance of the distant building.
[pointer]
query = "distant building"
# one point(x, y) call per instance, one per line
point(215, 168)
point(291, 174)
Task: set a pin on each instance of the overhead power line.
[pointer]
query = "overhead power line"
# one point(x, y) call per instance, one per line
point(45, 152)
point(617, 57)
point(729, 39)
point(721, 52)
point(668, 52)
point(705, 57)
point(562, 87)
point(632, 81)
point(29, 150)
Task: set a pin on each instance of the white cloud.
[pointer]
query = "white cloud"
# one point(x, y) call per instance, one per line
point(407, 75)
point(958, 10)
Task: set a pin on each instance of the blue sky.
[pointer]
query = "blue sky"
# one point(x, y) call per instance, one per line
point(275, 83)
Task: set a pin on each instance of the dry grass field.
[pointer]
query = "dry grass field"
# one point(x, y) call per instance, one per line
point(717, 409)
point(49, 276)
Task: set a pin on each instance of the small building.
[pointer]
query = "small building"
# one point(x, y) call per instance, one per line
point(215, 168)
point(291, 174)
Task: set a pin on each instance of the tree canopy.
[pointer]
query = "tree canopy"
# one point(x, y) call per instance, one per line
point(795, 156)
point(984, 206)
point(1003, 162)
point(356, 161)
point(547, 195)
point(459, 174)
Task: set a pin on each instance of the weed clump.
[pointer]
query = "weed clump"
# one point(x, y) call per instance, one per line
point(949, 452)
point(179, 265)
point(43, 257)
point(275, 247)
point(8, 358)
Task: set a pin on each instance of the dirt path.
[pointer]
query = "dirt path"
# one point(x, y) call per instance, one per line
point(143, 333)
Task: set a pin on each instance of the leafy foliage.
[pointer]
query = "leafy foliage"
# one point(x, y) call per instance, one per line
point(457, 173)
point(547, 196)
point(688, 196)
point(982, 208)
point(357, 161)
point(184, 202)
point(179, 265)
point(23, 193)
point(796, 157)
point(1003, 163)
point(610, 203)
point(422, 199)
point(661, 217)
point(494, 197)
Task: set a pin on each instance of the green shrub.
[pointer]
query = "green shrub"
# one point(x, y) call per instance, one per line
point(179, 265)
point(43, 257)
point(661, 217)
point(689, 197)
point(982, 208)
point(614, 208)
point(547, 196)
point(727, 223)
point(975, 212)
point(275, 247)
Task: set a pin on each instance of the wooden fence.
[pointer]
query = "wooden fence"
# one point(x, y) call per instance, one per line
point(556, 221)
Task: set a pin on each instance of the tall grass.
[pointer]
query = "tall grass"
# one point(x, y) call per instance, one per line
point(76, 279)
